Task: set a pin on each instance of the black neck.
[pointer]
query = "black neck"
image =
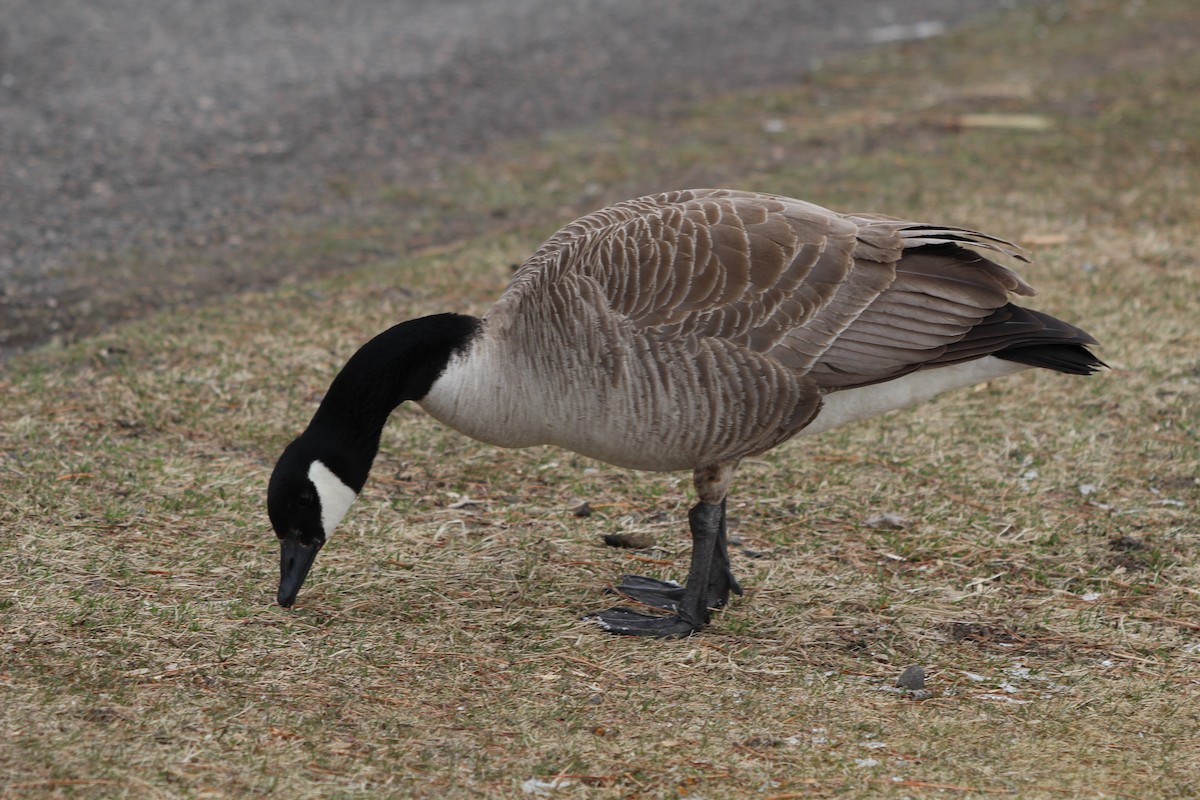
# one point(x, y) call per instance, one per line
point(397, 365)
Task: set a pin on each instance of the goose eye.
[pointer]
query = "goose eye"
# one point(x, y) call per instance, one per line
point(306, 499)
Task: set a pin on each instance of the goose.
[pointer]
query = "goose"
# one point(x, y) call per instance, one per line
point(681, 331)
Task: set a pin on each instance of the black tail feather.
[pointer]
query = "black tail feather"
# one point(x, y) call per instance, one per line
point(1025, 336)
point(1073, 359)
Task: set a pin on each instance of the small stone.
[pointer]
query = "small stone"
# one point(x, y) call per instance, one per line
point(583, 510)
point(890, 522)
point(913, 678)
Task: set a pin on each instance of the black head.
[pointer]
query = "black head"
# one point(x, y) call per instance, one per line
point(305, 501)
point(319, 475)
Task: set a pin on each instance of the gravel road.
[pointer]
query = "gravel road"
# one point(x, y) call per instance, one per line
point(130, 126)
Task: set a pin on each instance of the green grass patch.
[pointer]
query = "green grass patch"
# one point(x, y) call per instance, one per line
point(1046, 575)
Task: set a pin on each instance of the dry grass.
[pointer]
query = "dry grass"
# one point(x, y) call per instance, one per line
point(1047, 578)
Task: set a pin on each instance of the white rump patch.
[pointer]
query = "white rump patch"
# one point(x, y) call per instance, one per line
point(850, 405)
point(335, 496)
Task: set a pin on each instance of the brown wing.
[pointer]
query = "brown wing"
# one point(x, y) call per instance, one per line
point(848, 299)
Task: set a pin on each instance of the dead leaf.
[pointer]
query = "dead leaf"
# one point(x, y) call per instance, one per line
point(1016, 122)
point(632, 541)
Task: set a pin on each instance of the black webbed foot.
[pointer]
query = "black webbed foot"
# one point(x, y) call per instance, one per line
point(650, 591)
point(668, 594)
point(708, 586)
point(627, 622)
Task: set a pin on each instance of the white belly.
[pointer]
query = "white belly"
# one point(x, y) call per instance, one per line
point(850, 405)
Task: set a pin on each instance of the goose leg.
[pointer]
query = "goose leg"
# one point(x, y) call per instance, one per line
point(721, 580)
point(709, 579)
point(667, 594)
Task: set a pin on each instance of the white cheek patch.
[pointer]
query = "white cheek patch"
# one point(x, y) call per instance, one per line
point(335, 496)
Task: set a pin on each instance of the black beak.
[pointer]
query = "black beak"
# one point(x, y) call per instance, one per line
point(295, 560)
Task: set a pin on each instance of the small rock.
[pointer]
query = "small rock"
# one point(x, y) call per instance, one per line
point(913, 678)
point(583, 510)
point(891, 522)
point(540, 788)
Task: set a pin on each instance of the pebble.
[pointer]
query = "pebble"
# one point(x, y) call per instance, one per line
point(912, 678)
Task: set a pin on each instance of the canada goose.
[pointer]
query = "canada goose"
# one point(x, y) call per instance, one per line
point(685, 330)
